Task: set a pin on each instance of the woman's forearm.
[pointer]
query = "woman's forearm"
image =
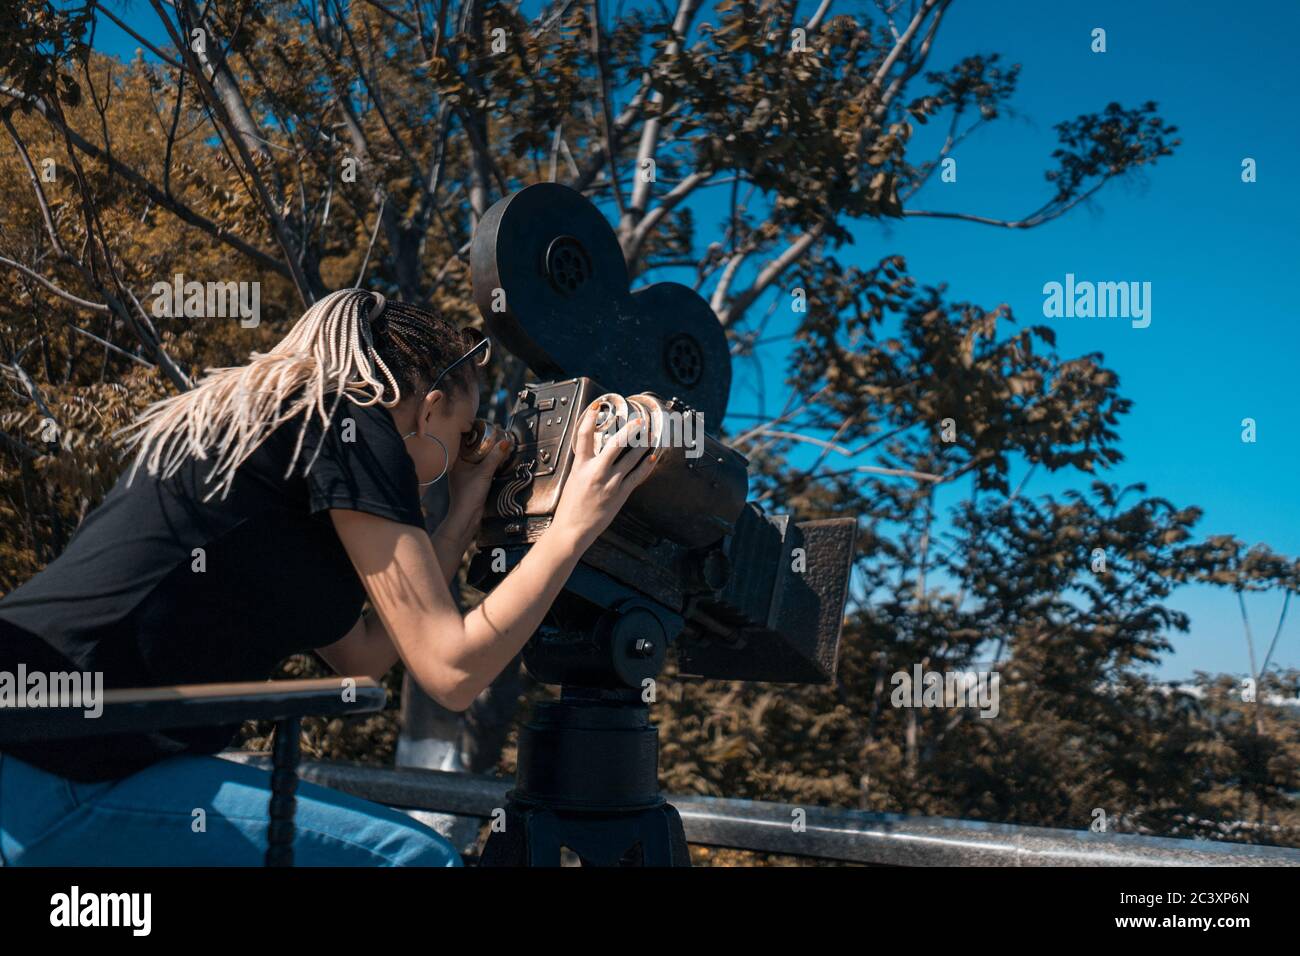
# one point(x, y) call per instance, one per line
point(449, 546)
point(453, 657)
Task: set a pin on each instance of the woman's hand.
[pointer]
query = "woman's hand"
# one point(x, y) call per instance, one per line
point(467, 487)
point(601, 479)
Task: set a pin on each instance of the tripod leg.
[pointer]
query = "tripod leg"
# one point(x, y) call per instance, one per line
point(603, 840)
point(542, 838)
point(506, 847)
point(646, 838)
point(681, 854)
point(530, 838)
point(665, 840)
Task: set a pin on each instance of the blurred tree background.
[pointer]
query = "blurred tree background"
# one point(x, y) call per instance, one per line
point(317, 144)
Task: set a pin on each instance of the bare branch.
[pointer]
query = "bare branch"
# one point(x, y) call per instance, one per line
point(172, 205)
point(1045, 214)
point(33, 392)
point(109, 345)
point(734, 311)
point(245, 140)
point(606, 113)
point(718, 300)
point(632, 248)
point(176, 64)
point(61, 293)
point(650, 133)
point(815, 21)
point(599, 156)
point(374, 233)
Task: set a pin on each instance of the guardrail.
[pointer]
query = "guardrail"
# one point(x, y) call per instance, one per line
point(827, 833)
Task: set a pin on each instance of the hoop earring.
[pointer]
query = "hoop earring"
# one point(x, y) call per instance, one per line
point(446, 458)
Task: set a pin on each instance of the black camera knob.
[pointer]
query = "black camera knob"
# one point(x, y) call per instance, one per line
point(638, 646)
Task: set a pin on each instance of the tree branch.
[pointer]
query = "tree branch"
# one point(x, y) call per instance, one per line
point(159, 198)
point(61, 293)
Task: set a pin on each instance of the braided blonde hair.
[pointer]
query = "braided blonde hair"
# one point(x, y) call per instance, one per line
point(331, 350)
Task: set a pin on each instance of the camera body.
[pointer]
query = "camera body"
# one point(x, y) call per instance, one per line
point(692, 497)
point(686, 560)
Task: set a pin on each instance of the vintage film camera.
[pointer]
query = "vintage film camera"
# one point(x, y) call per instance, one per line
point(688, 563)
point(742, 595)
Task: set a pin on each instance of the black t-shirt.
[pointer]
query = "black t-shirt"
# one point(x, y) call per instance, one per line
point(158, 586)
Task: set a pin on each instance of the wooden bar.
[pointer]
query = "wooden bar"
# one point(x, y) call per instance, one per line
point(147, 709)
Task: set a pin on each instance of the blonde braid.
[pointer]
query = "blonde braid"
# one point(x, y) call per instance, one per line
point(329, 351)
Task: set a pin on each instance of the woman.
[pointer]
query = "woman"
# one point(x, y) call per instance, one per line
point(264, 509)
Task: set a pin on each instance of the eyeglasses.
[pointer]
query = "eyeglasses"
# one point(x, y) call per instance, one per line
point(480, 353)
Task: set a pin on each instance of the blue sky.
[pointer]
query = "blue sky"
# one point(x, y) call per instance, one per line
point(1220, 254)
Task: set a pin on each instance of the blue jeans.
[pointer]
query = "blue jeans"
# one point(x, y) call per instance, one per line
point(196, 811)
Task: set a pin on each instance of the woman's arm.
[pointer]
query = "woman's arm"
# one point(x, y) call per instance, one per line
point(454, 658)
point(364, 651)
point(367, 649)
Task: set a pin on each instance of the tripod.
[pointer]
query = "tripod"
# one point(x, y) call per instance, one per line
point(588, 780)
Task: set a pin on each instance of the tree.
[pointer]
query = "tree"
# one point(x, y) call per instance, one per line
point(308, 148)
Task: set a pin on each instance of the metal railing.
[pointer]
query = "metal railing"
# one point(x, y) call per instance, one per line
point(826, 833)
